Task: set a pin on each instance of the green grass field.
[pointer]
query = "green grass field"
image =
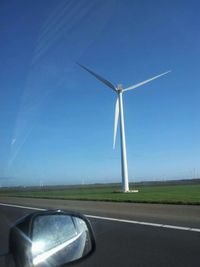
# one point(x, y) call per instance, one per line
point(169, 194)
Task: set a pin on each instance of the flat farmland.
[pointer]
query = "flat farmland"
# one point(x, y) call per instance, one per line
point(169, 194)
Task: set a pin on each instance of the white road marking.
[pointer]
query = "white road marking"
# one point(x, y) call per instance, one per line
point(20, 207)
point(146, 223)
point(176, 227)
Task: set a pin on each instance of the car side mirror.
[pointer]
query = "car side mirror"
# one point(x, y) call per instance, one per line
point(51, 238)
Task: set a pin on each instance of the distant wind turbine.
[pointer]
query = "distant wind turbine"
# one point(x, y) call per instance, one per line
point(119, 112)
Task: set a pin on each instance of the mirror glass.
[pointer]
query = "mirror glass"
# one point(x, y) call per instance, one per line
point(58, 239)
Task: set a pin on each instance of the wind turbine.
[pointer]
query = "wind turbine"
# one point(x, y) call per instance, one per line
point(119, 112)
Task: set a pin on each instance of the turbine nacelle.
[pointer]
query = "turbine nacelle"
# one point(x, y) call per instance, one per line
point(119, 88)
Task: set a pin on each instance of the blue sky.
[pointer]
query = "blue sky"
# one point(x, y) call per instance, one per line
point(56, 120)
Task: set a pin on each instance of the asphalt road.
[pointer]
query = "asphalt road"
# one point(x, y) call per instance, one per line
point(125, 242)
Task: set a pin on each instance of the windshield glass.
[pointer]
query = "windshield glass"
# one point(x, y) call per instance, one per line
point(99, 114)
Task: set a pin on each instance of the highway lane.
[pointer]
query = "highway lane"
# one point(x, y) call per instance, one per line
point(126, 244)
point(182, 215)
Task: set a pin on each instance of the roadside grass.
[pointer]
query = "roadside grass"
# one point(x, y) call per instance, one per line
point(164, 194)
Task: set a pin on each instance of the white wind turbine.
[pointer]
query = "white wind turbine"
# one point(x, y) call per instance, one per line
point(119, 112)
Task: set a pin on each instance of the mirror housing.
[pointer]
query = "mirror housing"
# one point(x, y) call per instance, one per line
point(51, 238)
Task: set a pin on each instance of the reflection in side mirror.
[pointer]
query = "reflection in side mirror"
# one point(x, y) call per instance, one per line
point(51, 239)
point(59, 238)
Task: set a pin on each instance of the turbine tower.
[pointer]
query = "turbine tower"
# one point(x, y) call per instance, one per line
point(119, 112)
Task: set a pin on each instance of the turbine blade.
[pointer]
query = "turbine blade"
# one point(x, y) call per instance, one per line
point(144, 82)
point(106, 82)
point(116, 121)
